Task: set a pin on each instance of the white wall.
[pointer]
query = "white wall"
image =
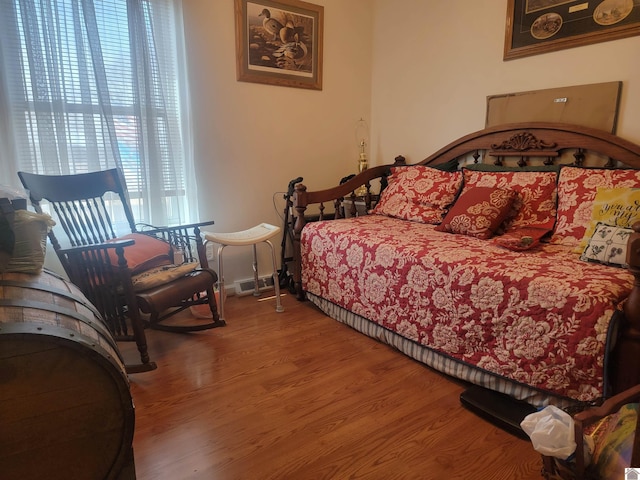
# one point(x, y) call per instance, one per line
point(418, 71)
point(252, 139)
point(434, 64)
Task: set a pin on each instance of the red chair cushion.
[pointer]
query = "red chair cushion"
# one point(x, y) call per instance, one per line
point(148, 252)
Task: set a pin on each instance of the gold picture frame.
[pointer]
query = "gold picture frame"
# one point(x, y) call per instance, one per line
point(279, 42)
point(542, 26)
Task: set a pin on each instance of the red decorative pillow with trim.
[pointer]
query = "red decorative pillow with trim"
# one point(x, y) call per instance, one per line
point(534, 208)
point(148, 252)
point(478, 212)
point(577, 189)
point(535, 202)
point(419, 193)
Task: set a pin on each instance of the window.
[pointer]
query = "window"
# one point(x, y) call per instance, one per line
point(88, 85)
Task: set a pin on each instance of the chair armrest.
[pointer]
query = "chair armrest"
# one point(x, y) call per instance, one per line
point(592, 415)
point(609, 406)
point(185, 240)
point(97, 254)
point(152, 229)
point(79, 260)
point(99, 246)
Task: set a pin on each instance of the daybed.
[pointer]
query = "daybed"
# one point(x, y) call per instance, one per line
point(499, 260)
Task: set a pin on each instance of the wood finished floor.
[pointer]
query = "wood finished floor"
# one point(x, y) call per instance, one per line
point(297, 395)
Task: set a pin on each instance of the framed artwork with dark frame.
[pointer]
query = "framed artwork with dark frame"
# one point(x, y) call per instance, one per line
point(279, 42)
point(541, 26)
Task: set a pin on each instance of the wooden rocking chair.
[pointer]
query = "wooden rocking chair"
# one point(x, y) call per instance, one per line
point(135, 280)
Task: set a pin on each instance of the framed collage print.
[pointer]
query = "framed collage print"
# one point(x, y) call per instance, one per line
point(541, 26)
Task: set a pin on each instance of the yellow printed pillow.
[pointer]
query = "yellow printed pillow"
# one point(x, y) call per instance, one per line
point(617, 207)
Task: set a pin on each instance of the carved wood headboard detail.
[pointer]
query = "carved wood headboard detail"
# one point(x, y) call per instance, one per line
point(541, 142)
point(548, 141)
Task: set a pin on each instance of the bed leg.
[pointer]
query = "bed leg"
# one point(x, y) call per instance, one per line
point(626, 372)
point(627, 353)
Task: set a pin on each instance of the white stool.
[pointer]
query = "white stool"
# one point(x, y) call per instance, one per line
point(259, 233)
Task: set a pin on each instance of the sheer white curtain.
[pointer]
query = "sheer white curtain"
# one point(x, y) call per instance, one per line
point(94, 84)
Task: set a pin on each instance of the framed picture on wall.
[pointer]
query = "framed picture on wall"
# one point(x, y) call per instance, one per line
point(541, 26)
point(279, 42)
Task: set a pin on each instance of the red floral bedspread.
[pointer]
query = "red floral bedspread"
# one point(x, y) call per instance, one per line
point(538, 317)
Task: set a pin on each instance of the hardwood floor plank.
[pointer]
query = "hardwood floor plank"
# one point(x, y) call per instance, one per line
point(299, 396)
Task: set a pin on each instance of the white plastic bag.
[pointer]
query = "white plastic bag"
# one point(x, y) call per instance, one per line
point(551, 432)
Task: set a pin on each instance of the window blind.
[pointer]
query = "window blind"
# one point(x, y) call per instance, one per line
point(94, 85)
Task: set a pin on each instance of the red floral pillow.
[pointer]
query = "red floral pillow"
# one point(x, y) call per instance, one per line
point(534, 208)
point(419, 193)
point(535, 201)
point(577, 189)
point(478, 212)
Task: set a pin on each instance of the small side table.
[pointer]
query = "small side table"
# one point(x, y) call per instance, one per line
point(252, 236)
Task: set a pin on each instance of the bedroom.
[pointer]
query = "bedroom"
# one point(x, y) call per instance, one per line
point(417, 71)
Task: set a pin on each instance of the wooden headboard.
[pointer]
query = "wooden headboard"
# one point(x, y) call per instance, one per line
point(518, 143)
point(546, 141)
